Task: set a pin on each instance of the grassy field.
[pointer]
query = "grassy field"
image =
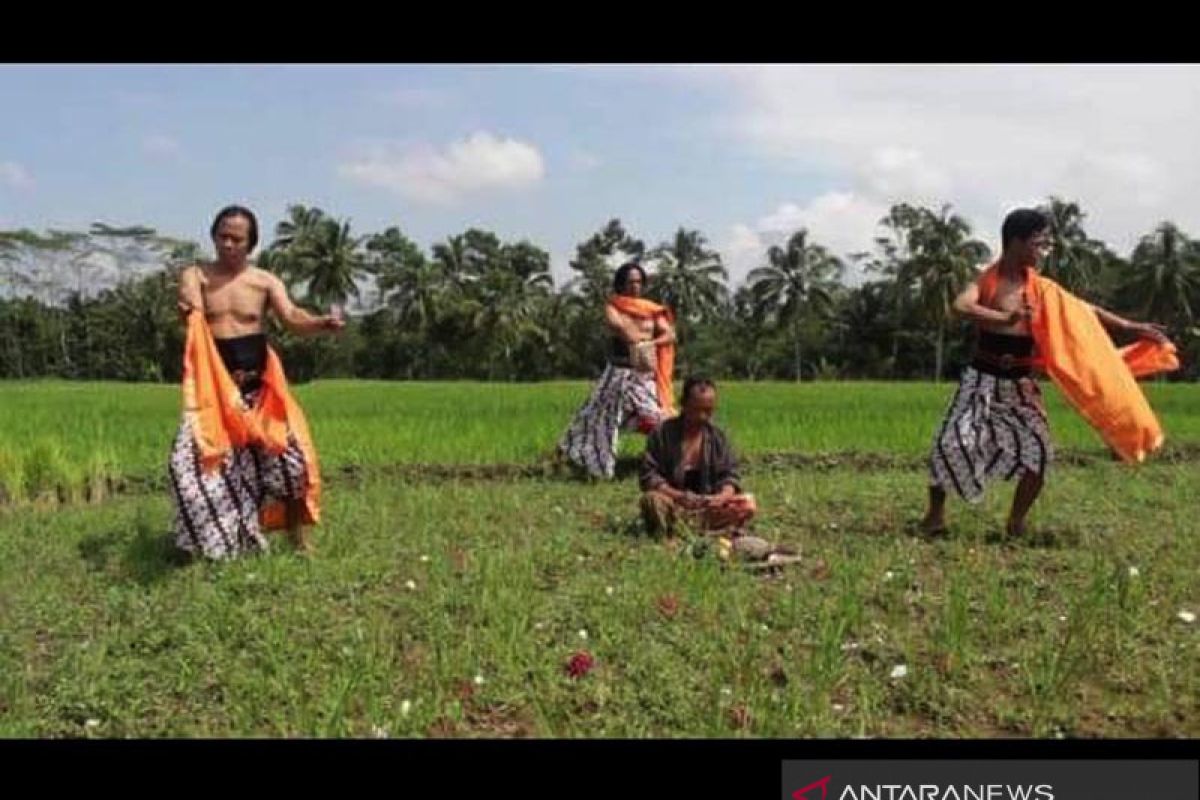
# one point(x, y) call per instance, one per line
point(72, 440)
point(450, 606)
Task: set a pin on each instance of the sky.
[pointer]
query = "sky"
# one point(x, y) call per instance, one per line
point(747, 154)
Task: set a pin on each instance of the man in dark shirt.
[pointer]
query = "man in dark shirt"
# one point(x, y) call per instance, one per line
point(689, 476)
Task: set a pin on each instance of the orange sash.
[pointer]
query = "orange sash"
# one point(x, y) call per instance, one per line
point(221, 421)
point(1097, 379)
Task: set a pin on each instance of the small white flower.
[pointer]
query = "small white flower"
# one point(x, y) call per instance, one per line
point(579, 559)
point(251, 576)
point(887, 576)
point(537, 626)
point(583, 634)
point(411, 585)
point(1187, 617)
point(405, 707)
point(346, 651)
point(1062, 617)
point(424, 559)
point(92, 723)
point(899, 671)
point(1134, 572)
point(608, 590)
point(1059, 735)
point(850, 646)
point(839, 707)
point(378, 732)
point(479, 680)
point(725, 690)
point(763, 627)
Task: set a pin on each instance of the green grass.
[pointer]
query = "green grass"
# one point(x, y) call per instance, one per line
point(58, 437)
point(1074, 632)
point(1049, 637)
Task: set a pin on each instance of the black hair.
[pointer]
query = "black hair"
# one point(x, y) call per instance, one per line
point(1022, 224)
point(694, 384)
point(237, 211)
point(622, 275)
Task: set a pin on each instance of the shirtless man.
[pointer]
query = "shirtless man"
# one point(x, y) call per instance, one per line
point(217, 511)
point(634, 392)
point(996, 425)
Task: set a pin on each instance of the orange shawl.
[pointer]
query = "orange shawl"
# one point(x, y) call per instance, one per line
point(221, 421)
point(664, 353)
point(1097, 379)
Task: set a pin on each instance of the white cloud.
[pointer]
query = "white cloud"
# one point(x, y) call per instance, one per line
point(904, 174)
point(159, 145)
point(14, 175)
point(480, 162)
point(560, 267)
point(742, 250)
point(1116, 138)
point(842, 222)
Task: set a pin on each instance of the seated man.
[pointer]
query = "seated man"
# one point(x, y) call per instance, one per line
point(689, 475)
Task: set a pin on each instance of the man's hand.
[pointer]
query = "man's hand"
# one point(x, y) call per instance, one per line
point(1023, 314)
point(723, 500)
point(1149, 330)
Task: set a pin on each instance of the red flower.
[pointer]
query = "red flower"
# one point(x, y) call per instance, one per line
point(580, 664)
point(739, 717)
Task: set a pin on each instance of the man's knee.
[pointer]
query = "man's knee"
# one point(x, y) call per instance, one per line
point(749, 505)
point(656, 501)
point(657, 510)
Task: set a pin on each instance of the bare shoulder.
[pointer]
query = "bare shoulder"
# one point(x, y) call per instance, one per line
point(264, 279)
point(196, 272)
point(192, 278)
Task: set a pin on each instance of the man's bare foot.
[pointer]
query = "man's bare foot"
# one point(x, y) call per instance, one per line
point(932, 526)
point(1014, 530)
point(302, 541)
point(782, 555)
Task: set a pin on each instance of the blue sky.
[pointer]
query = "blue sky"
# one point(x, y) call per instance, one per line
point(744, 153)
